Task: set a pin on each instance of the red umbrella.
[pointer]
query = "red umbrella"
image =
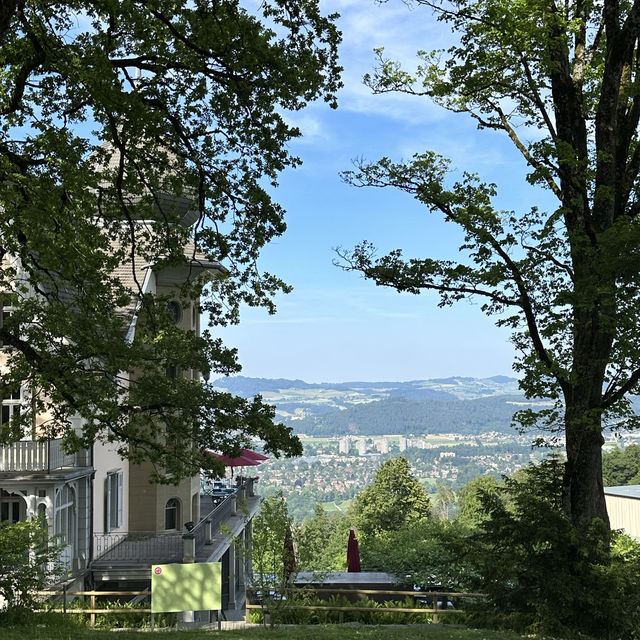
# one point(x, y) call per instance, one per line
point(289, 554)
point(238, 461)
point(353, 553)
point(253, 455)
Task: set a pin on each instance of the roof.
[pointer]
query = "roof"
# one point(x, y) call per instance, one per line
point(629, 491)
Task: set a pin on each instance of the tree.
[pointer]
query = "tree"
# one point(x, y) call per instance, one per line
point(28, 563)
point(422, 553)
point(544, 573)
point(272, 554)
point(471, 498)
point(621, 467)
point(392, 500)
point(118, 121)
point(565, 281)
point(322, 542)
point(445, 502)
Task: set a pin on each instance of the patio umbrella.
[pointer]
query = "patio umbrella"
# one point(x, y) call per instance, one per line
point(353, 553)
point(253, 455)
point(289, 554)
point(238, 461)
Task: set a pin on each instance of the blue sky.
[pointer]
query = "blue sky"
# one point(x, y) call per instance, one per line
point(335, 326)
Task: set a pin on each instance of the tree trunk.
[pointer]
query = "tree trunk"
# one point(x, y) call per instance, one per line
point(583, 487)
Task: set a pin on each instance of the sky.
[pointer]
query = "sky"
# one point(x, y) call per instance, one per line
point(335, 326)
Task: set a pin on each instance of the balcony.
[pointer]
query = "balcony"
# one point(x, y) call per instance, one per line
point(119, 549)
point(38, 455)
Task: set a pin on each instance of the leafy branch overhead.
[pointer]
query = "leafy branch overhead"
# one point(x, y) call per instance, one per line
point(136, 139)
point(559, 80)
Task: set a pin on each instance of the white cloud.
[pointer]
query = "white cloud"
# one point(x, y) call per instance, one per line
point(402, 32)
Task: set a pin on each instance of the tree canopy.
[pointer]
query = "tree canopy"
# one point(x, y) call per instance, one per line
point(621, 466)
point(392, 500)
point(118, 122)
point(560, 81)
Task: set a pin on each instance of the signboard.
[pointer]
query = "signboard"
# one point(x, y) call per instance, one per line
point(186, 587)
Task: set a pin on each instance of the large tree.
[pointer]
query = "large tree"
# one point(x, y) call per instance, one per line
point(561, 81)
point(118, 118)
point(394, 499)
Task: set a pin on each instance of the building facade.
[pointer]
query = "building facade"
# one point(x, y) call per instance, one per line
point(111, 521)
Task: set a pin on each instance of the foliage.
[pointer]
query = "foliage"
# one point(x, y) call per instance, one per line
point(444, 505)
point(559, 80)
point(322, 542)
point(394, 499)
point(404, 416)
point(117, 619)
point(28, 563)
point(423, 553)
point(136, 134)
point(471, 500)
point(621, 466)
point(320, 616)
point(272, 555)
point(542, 572)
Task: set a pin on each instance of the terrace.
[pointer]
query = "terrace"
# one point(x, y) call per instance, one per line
point(120, 555)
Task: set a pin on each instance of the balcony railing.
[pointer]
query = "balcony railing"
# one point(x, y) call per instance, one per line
point(38, 455)
point(139, 547)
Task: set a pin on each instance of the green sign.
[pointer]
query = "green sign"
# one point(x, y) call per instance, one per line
point(186, 587)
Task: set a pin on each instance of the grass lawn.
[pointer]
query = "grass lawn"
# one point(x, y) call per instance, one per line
point(327, 632)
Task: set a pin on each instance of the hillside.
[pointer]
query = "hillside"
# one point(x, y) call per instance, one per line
point(443, 405)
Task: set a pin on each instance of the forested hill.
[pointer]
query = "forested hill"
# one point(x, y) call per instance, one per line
point(401, 416)
point(442, 405)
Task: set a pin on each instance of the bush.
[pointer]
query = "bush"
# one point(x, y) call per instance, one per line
point(542, 573)
point(28, 563)
point(287, 615)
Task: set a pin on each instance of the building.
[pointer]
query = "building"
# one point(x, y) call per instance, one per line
point(623, 507)
point(112, 521)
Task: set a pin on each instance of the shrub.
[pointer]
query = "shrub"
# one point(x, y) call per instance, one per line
point(28, 563)
point(544, 574)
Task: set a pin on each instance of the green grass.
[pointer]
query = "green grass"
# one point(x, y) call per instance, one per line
point(327, 632)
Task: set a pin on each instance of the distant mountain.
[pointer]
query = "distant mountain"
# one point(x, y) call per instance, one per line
point(441, 405)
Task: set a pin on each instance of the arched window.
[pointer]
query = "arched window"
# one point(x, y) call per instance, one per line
point(64, 515)
point(42, 516)
point(172, 514)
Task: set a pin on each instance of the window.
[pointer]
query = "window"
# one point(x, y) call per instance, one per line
point(175, 311)
point(172, 372)
point(11, 405)
point(7, 312)
point(9, 507)
point(113, 501)
point(172, 514)
point(64, 515)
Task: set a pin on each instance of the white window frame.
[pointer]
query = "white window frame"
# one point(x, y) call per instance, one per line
point(113, 501)
point(11, 406)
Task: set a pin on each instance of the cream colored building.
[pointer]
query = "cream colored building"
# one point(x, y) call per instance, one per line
point(623, 507)
point(114, 523)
